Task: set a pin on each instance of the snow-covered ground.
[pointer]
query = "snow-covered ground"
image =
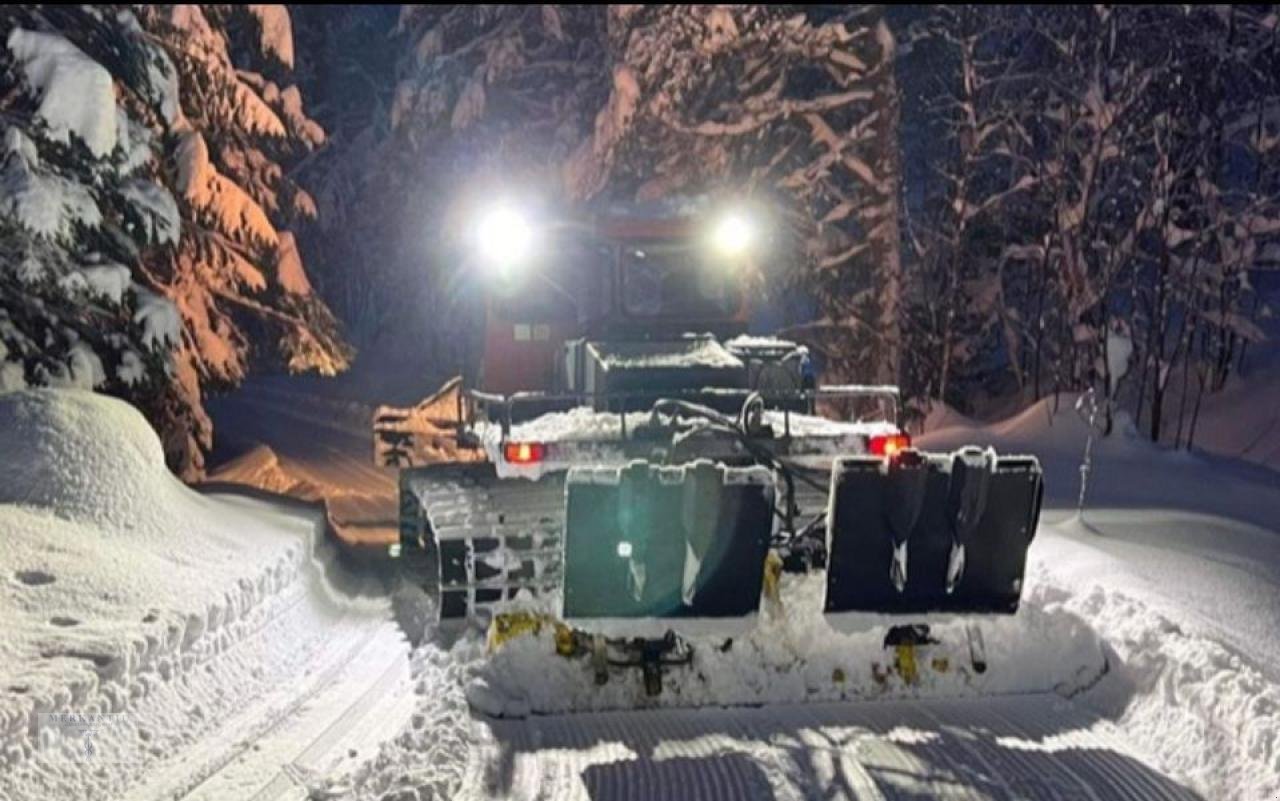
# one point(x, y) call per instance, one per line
point(1142, 665)
point(279, 435)
point(212, 628)
point(1243, 420)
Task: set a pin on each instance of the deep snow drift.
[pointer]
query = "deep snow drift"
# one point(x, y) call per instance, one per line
point(123, 591)
point(111, 567)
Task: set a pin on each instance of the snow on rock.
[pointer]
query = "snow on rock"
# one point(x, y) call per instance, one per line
point(113, 575)
point(75, 92)
point(43, 203)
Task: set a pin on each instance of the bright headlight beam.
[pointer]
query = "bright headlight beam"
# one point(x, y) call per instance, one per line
point(733, 235)
point(504, 237)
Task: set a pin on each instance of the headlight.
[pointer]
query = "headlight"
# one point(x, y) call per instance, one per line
point(733, 235)
point(504, 238)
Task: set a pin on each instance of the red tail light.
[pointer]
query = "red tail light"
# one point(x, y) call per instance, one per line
point(524, 452)
point(888, 444)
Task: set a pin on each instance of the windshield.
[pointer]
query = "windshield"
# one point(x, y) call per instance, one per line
point(671, 280)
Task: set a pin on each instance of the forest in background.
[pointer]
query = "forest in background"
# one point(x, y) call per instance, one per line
point(986, 204)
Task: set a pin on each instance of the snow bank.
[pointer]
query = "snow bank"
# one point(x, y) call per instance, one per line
point(80, 456)
point(260, 467)
point(1243, 420)
point(1128, 471)
point(112, 573)
point(1186, 607)
point(1205, 713)
point(76, 93)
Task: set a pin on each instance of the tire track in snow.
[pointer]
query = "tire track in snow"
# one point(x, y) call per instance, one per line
point(234, 753)
point(260, 728)
point(293, 774)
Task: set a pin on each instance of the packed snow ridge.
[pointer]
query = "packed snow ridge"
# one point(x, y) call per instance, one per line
point(119, 585)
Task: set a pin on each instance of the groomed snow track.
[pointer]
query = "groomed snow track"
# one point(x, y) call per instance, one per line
point(1037, 747)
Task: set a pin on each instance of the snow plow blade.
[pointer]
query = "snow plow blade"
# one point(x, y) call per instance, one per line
point(650, 541)
point(931, 533)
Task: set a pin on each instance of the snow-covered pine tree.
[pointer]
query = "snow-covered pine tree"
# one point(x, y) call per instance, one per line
point(488, 99)
point(966, 104)
point(345, 65)
point(1133, 188)
point(139, 205)
point(798, 105)
point(639, 103)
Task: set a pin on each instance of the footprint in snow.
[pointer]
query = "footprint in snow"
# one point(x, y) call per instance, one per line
point(64, 622)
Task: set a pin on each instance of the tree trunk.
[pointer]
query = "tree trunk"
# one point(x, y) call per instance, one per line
point(883, 233)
